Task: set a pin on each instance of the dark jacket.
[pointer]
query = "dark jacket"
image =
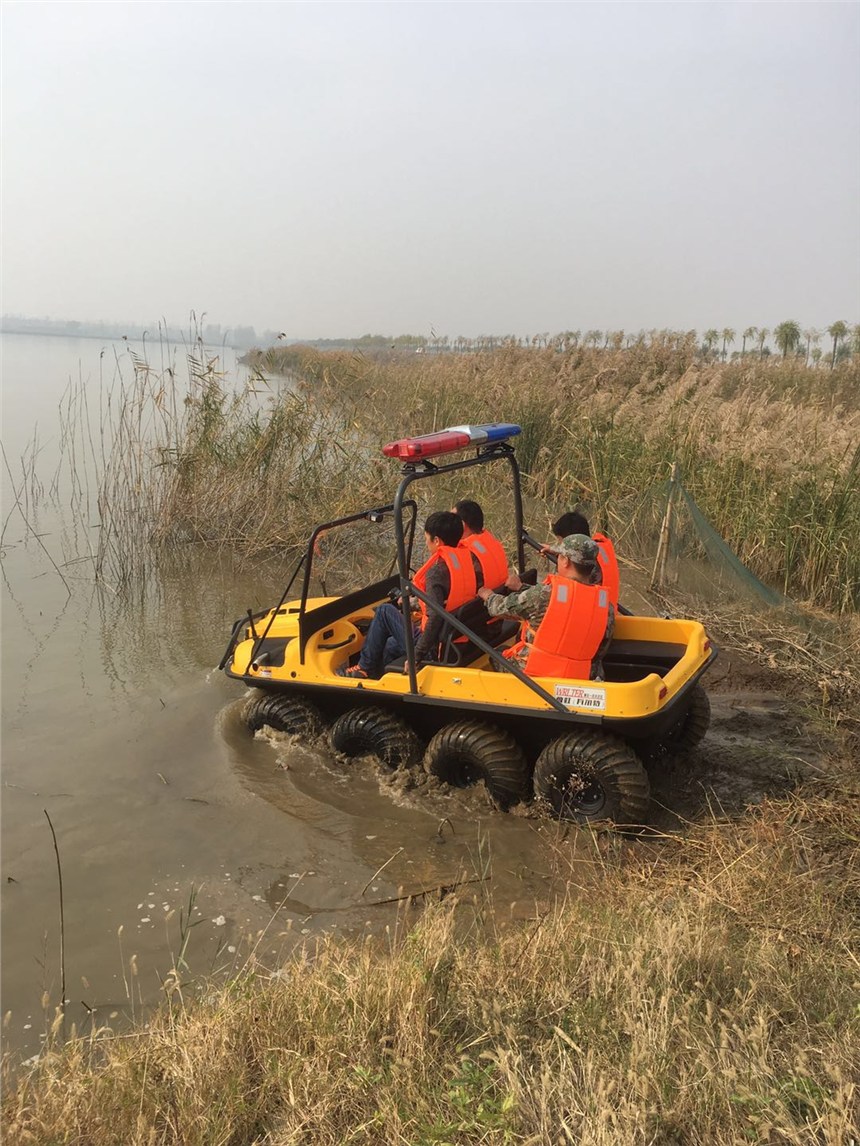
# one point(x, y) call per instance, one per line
point(438, 587)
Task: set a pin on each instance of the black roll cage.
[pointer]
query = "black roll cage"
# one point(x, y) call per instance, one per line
point(306, 562)
point(416, 471)
point(404, 532)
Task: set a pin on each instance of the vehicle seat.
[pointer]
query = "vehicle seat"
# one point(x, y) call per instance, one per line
point(455, 649)
point(633, 660)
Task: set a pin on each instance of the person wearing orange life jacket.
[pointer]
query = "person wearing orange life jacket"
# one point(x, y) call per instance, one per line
point(450, 576)
point(569, 617)
point(574, 522)
point(487, 548)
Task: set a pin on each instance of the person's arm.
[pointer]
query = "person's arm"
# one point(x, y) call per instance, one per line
point(522, 604)
point(438, 588)
point(497, 603)
point(479, 572)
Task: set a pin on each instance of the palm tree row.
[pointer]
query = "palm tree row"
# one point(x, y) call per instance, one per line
point(788, 338)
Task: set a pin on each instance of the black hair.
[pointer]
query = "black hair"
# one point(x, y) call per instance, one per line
point(570, 523)
point(448, 527)
point(472, 514)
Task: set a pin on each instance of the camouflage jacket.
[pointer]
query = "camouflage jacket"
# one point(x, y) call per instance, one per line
point(528, 604)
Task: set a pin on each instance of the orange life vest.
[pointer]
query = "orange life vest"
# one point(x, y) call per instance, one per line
point(608, 563)
point(491, 557)
point(572, 630)
point(464, 583)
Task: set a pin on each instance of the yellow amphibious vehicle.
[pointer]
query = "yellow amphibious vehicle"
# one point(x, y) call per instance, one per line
point(580, 745)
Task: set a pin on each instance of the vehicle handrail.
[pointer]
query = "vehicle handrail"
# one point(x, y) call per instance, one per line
point(540, 546)
point(258, 643)
point(306, 559)
point(497, 658)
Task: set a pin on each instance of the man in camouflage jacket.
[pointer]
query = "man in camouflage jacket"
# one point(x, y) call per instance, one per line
point(578, 560)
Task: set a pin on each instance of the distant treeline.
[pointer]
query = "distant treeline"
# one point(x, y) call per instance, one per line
point(212, 334)
point(789, 340)
point(827, 347)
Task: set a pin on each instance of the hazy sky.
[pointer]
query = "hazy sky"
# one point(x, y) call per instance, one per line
point(336, 169)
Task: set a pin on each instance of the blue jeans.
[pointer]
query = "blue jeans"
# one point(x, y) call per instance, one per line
point(385, 640)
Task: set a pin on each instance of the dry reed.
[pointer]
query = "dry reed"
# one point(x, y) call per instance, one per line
point(768, 449)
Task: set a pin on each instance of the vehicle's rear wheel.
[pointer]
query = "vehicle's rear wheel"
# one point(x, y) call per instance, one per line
point(291, 714)
point(586, 776)
point(363, 730)
point(690, 731)
point(469, 751)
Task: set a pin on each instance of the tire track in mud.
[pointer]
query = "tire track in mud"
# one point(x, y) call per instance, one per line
point(761, 742)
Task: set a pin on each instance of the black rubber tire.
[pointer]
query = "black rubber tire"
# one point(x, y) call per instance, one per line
point(692, 728)
point(463, 753)
point(373, 730)
point(292, 714)
point(684, 736)
point(588, 776)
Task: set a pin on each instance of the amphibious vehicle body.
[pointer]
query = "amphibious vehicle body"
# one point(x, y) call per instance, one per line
point(582, 746)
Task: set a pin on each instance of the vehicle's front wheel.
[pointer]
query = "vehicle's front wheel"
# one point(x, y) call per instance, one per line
point(373, 730)
point(469, 751)
point(587, 776)
point(291, 714)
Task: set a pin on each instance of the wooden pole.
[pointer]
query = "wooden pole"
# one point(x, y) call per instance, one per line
point(62, 920)
point(658, 576)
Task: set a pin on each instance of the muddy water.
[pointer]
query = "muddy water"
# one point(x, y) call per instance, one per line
point(117, 725)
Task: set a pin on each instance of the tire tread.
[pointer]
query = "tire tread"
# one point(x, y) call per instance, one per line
point(601, 757)
point(290, 714)
point(483, 749)
point(359, 731)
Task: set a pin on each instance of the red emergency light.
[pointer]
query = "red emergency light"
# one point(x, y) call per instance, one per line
point(448, 441)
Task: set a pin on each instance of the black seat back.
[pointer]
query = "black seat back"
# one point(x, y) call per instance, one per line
point(455, 649)
point(452, 644)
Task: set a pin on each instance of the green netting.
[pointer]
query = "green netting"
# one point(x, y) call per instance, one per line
point(717, 564)
point(732, 573)
point(685, 554)
point(672, 554)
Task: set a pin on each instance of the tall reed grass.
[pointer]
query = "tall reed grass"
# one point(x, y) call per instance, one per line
point(166, 461)
point(768, 449)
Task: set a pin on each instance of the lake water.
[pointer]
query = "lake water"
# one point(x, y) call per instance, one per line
point(116, 723)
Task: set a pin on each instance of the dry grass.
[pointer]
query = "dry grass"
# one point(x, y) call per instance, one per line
point(704, 990)
point(768, 449)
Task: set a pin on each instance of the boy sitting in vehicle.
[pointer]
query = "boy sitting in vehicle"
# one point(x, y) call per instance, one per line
point(488, 549)
point(450, 576)
point(574, 522)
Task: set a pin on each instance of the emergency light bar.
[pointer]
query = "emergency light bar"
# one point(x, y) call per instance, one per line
point(450, 440)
